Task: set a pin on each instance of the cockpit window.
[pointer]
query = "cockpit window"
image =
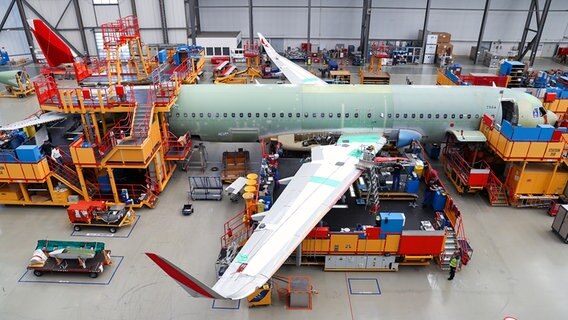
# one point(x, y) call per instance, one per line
point(542, 111)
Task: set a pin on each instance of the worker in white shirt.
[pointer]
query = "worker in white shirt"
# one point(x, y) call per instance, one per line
point(56, 155)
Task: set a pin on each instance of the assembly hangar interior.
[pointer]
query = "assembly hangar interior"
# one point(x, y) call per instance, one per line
point(245, 159)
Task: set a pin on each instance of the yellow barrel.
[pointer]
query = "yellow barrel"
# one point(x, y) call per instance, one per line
point(250, 182)
point(251, 189)
point(252, 176)
point(260, 206)
point(248, 195)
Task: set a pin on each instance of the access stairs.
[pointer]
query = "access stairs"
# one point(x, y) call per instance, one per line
point(496, 191)
point(70, 178)
point(451, 246)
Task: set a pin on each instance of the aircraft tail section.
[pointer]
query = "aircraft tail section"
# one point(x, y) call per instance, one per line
point(193, 286)
point(56, 51)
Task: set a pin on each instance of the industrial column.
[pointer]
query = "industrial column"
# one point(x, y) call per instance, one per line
point(7, 14)
point(309, 20)
point(425, 29)
point(26, 29)
point(481, 30)
point(190, 13)
point(81, 26)
point(133, 7)
point(365, 24)
point(250, 23)
point(538, 35)
point(164, 21)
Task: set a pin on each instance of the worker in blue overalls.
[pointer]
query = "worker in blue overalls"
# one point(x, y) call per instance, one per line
point(431, 188)
point(396, 169)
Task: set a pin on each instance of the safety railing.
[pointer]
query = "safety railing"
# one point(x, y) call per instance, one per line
point(472, 177)
point(85, 67)
point(177, 148)
point(46, 91)
point(118, 32)
point(136, 192)
point(115, 135)
point(496, 190)
point(235, 229)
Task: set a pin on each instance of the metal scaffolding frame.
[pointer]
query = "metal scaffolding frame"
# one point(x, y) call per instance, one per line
point(540, 22)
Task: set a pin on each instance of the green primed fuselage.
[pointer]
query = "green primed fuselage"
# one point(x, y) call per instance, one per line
point(247, 112)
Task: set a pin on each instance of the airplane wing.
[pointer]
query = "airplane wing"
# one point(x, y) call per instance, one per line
point(293, 72)
point(310, 194)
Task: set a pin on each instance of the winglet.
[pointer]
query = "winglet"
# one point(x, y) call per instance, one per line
point(56, 51)
point(193, 286)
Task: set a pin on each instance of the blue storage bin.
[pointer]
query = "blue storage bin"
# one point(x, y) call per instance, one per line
point(162, 56)
point(8, 156)
point(412, 185)
point(391, 222)
point(28, 153)
point(507, 129)
point(104, 182)
point(546, 132)
point(439, 201)
point(525, 134)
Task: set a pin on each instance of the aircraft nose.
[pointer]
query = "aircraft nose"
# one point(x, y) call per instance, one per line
point(551, 117)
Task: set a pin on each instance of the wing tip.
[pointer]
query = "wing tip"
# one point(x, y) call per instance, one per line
point(193, 286)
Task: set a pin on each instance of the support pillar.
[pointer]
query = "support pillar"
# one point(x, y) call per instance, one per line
point(251, 30)
point(365, 24)
point(482, 30)
point(309, 20)
point(83, 183)
point(81, 26)
point(113, 185)
point(299, 255)
point(164, 21)
point(425, 29)
point(27, 30)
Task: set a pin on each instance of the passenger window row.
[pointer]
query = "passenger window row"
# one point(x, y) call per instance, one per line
point(322, 115)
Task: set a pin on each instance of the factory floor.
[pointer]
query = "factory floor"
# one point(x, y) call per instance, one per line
point(518, 267)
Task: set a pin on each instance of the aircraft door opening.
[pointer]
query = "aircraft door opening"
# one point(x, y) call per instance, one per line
point(510, 111)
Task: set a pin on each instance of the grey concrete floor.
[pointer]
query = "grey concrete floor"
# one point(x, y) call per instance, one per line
point(518, 267)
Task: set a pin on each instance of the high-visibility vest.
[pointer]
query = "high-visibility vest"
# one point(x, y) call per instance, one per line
point(454, 262)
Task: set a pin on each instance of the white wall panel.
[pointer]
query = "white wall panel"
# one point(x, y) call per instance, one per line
point(14, 41)
point(224, 19)
point(88, 13)
point(391, 24)
point(178, 36)
point(336, 23)
point(148, 14)
point(175, 13)
point(279, 22)
point(152, 36)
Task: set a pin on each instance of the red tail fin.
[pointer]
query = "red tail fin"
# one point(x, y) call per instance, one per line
point(56, 51)
point(193, 286)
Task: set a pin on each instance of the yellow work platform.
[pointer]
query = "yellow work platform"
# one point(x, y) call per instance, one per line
point(522, 150)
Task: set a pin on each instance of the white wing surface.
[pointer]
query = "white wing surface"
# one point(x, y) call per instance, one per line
point(293, 72)
point(311, 193)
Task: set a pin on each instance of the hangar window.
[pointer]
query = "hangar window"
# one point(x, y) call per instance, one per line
point(331, 114)
point(461, 116)
point(445, 116)
point(103, 2)
point(266, 115)
point(356, 115)
point(314, 115)
point(217, 51)
point(209, 51)
point(369, 115)
point(224, 115)
point(249, 115)
point(469, 116)
point(429, 116)
point(201, 114)
point(453, 115)
point(177, 114)
point(185, 114)
point(305, 114)
point(241, 114)
point(233, 115)
point(397, 115)
point(339, 114)
point(413, 115)
point(347, 115)
point(208, 114)
point(273, 115)
point(322, 115)
point(281, 114)
point(437, 116)
point(421, 116)
point(289, 114)
point(257, 115)
point(297, 114)
point(405, 116)
point(226, 51)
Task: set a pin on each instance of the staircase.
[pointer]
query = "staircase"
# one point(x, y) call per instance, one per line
point(69, 177)
point(496, 191)
point(138, 58)
point(450, 247)
point(140, 124)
